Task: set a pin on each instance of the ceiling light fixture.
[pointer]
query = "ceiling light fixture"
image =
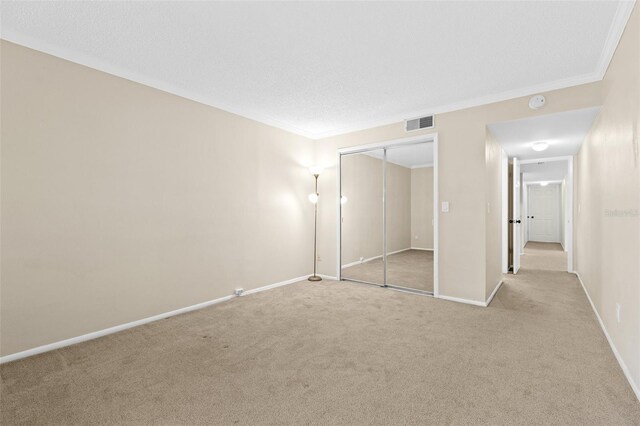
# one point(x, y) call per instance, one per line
point(539, 146)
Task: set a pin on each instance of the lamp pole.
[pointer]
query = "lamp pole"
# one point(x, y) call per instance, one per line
point(315, 277)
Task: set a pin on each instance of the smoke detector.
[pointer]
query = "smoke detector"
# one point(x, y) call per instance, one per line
point(537, 102)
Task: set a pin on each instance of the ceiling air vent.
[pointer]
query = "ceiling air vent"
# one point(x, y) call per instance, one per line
point(418, 123)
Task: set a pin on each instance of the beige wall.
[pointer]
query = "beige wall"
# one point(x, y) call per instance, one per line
point(422, 208)
point(362, 214)
point(493, 216)
point(362, 226)
point(462, 182)
point(398, 208)
point(607, 204)
point(120, 201)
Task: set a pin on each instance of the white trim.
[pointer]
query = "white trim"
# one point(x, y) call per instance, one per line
point(623, 366)
point(327, 277)
point(279, 284)
point(493, 293)
point(474, 302)
point(97, 64)
point(419, 248)
point(620, 19)
point(471, 103)
point(110, 330)
point(358, 262)
point(436, 219)
point(568, 215)
point(615, 33)
point(430, 137)
point(460, 300)
point(100, 333)
point(422, 166)
point(505, 210)
point(339, 217)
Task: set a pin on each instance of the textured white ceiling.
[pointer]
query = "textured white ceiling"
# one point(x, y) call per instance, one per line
point(411, 156)
point(544, 171)
point(564, 132)
point(324, 68)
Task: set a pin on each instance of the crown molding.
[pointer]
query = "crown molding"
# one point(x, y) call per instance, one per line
point(97, 64)
point(422, 166)
point(621, 17)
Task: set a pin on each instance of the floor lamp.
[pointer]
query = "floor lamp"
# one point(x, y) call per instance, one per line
point(315, 171)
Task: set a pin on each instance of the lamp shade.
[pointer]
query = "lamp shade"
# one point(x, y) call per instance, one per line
point(316, 170)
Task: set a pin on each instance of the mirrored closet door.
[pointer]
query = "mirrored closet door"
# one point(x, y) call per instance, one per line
point(387, 207)
point(410, 217)
point(361, 214)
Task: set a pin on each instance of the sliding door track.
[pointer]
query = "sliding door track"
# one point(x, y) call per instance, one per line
point(391, 287)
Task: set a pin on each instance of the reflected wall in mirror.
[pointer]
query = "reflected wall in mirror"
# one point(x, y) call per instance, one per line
point(361, 182)
point(410, 217)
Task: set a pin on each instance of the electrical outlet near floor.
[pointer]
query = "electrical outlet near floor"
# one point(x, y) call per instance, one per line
point(618, 312)
point(238, 291)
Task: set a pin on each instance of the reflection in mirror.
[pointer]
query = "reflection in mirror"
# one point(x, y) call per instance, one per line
point(410, 217)
point(362, 217)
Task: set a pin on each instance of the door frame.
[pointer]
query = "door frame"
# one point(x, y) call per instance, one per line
point(394, 143)
point(569, 224)
point(516, 214)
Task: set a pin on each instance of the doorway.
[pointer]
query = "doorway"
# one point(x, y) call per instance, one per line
point(540, 200)
point(387, 231)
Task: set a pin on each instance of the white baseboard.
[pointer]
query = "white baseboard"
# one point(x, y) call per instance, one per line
point(460, 300)
point(625, 370)
point(280, 284)
point(328, 277)
point(420, 248)
point(473, 302)
point(117, 328)
point(493, 293)
point(358, 262)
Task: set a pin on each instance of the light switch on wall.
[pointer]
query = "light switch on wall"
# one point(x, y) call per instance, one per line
point(445, 207)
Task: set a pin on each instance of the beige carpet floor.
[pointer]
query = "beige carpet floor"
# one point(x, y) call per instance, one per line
point(340, 353)
point(544, 256)
point(412, 269)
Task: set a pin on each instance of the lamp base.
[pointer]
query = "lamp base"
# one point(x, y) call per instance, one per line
point(315, 278)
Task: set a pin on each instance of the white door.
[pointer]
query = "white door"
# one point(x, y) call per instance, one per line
point(544, 213)
point(516, 219)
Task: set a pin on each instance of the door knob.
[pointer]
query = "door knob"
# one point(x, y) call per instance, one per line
point(518, 221)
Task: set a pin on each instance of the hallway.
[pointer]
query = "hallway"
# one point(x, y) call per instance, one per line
point(544, 256)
